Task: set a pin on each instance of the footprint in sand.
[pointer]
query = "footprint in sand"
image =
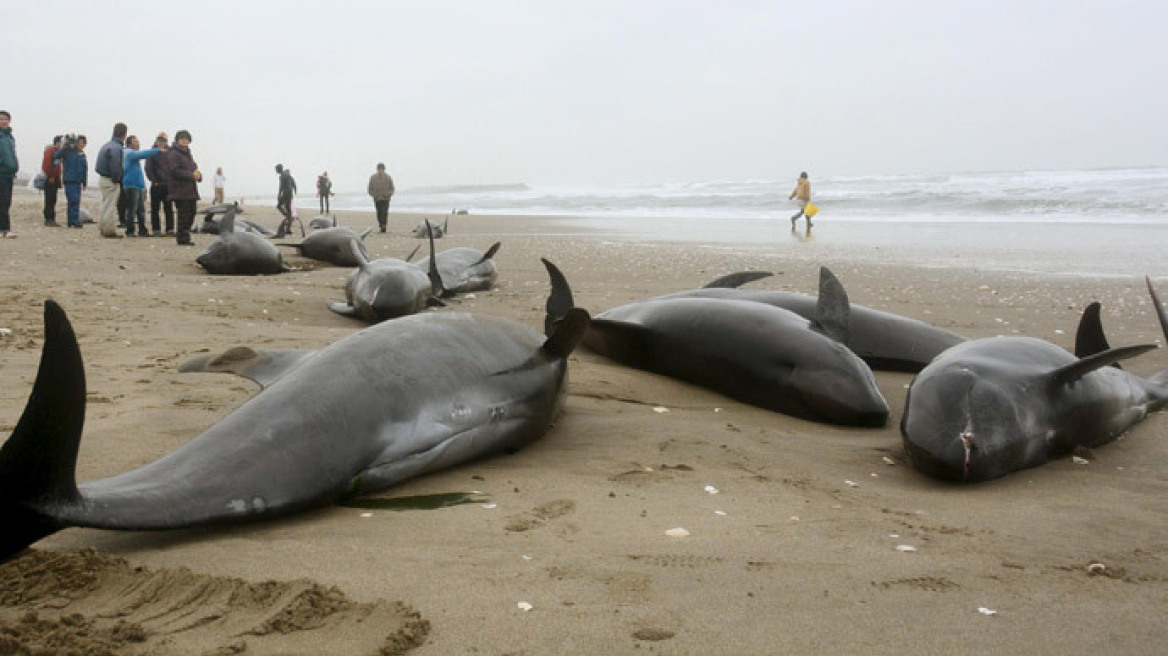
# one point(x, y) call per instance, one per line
point(539, 515)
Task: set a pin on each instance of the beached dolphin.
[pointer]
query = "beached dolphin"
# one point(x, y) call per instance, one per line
point(753, 352)
point(388, 288)
point(83, 216)
point(331, 245)
point(992, 406)
point(402, 398)
point(211, 224)
point(439, 231)
point(240, 253)
point(464, 269)
point(322, 221)
point(886, 341)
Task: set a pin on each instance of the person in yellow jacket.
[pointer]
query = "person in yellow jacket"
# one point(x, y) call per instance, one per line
point(802, 193)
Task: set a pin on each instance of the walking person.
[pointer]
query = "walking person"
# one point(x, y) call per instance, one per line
point(9, 165)
point(51, 169)
point(284, 196)
point(324, 189)
point(75, 174)
point(381, 189)
point(182, 179)
point(109, 167)
point(802, 195)
point(134, 184)
point(156, 173)
point(220, 182)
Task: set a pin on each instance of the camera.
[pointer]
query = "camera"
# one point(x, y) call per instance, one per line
point(71, 140)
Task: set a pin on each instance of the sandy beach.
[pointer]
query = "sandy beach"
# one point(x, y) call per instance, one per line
point(795, 529)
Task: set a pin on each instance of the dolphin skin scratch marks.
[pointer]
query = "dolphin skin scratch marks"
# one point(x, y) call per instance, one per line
point(489, 385)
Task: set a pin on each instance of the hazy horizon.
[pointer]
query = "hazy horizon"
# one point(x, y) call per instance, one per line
point(573, 93)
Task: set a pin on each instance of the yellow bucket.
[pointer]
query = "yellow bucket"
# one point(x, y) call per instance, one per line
point(810, 209)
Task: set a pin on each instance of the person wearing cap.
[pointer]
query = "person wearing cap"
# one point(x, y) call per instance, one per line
point(381, 189)
point(183, 178)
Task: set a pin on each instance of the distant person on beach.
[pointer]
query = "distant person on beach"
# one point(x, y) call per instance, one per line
point(156, 173)
point(109, 167)
point(324, 189)
point(51, 169)
point(220, 182)
point(802, 194)
point(381, 189)
point(75, 174)
point(134, 182)
point(284, 196)
point(9, 165)
point(182, 180)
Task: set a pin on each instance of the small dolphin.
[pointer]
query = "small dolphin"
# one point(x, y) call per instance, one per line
point(322, 221)
point(240, 253)
point(886, 341)
point(465, 270)
point(331, 245)
point(989, 407)
point(403, 398)
point(440, 231)
point(388, 288)
point(753, 352)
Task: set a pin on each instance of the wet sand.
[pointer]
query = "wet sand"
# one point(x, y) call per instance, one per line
point(786, 557)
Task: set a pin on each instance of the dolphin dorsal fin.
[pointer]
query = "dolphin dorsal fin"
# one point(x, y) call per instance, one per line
point(446, 225)
point(559, 301)
point(335, 221)
point(261, 367)
point(1076, 370)
point(437, 289)
point(567, 333)
point(832, 311)
point(735, 280)
point(1160, 313)
point(227, 223)
point(490, 253)
point(1089, 339)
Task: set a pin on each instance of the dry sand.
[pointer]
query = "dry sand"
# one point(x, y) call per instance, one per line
point(786, 557)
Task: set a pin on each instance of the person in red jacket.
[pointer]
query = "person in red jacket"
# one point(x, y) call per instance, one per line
point(52, 173)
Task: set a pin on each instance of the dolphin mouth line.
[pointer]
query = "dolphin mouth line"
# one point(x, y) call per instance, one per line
point(967, 442)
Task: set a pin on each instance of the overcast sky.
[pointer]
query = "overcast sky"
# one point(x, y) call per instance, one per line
point(597, 91)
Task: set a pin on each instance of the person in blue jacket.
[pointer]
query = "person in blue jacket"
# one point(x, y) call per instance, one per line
point(134, 184)
point(75, 175)
point(109, 168)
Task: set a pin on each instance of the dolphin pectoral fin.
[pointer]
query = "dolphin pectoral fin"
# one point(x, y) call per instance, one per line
point(37, 462)
point(567, 333)
point(489, 254)
point(559, 301)
point(357, 250)
point(737, 279)
point(261, 367)
point(1089, 339)
point(833, 310)
point(1076, 370)
point(344, 309)
point(433, 302)
point(365, 233)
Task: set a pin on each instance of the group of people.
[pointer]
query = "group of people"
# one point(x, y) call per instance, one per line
point(380, 188)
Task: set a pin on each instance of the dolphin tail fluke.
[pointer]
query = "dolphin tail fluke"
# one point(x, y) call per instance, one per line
point(735, 280)
point(490, 253)
point(833, 310)
point(37, 462)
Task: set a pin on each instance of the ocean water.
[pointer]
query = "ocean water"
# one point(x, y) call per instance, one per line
point(1133, 195)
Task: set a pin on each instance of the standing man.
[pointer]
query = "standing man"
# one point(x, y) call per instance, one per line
point(75, 173)
point(381, 189)
point(324, 189)
point(220, 183)
point(284, 199)
point(182, 179)
point(802, 194)
point(51, 169)
point(8, 167)
point(156, 173)
point(134, 182)
point(109, 167)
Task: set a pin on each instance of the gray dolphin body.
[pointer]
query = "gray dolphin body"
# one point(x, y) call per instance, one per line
point(240, 253)
point(439, 231)
point(321, 221)
point(753, 352)
point(388, 288)
point(331, 245)
point(464, 269)
point(404, 398)
point(989, 407)
point(886, 341)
